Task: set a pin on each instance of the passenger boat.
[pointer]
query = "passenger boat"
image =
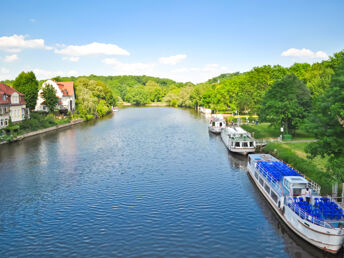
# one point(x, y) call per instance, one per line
point(238, 140)
point(216, 124)
point(320, 222)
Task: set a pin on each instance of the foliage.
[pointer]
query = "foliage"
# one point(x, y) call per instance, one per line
point(27, 84)
point(93, 98)
point(286, 103)
point(327, 122)
point(50, 98)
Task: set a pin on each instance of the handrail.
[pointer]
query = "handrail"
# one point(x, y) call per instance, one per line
point(309, 217)
point(267, 175)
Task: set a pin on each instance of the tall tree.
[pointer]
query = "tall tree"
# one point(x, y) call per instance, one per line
point(27, 84)
point(327, 123)
point(286, 103)
point(49, 95)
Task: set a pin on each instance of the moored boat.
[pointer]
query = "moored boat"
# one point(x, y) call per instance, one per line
point(238, 140)
point(318, 220)
point(216, 124)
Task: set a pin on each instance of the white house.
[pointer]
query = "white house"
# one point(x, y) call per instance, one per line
point(65, 93)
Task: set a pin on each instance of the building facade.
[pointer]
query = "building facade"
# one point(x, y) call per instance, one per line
point(12, 105)
point(65, 93)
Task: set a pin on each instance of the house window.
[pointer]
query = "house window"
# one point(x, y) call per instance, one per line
point(251, 144)
point(244, 144)
point(6, 122)
point(1, 122)
point(237, 144)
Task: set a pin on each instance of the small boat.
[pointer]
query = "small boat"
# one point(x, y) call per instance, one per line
point(216, 124)
point(319, 220)
point(115, 109)
point(238, 140)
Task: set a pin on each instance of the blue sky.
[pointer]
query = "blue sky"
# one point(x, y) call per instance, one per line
point(181, 40)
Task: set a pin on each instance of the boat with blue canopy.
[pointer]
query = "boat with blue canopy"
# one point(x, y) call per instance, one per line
point(318, 220)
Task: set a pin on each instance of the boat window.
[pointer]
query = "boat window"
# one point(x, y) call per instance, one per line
point(213, 123)
point(251, 144)
point(256, 174)
point(267, 188)
point(261, 181)
point(244, 144)
point(220, 123)
point(296, 191)
point(274, 196)
point(237, 144)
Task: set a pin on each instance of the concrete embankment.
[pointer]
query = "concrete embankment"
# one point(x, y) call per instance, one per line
point(46, 130)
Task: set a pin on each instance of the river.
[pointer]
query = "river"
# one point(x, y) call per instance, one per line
point(143, 182)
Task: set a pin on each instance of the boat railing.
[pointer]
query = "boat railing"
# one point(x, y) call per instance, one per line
point(306, 215)
point(270, 178)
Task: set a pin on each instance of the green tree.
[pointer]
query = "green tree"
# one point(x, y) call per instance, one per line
point(27, 84)
point(327, 124)
point(50, 98)
point(286, 103)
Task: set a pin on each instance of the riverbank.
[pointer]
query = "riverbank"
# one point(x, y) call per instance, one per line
point(42, 131)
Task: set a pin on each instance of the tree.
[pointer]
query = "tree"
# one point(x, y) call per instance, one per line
point(27, 84)
point(286, 103)
point(327, 124)
point(49, 95)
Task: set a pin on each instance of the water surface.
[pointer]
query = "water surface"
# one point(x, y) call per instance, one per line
point(144, 182)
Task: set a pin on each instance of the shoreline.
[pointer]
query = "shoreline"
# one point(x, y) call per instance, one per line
point(42, 131)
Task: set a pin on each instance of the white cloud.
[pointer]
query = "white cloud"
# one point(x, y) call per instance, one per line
point(120, 68)
point(172, 60)
point(17, 43)
point(4, 74)
point(304, 53)
point(45, 74)
point(92, 49)
point(72, 58)
point(11, 58)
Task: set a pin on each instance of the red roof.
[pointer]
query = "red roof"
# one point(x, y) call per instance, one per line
point(67, 88)
point(8, 91)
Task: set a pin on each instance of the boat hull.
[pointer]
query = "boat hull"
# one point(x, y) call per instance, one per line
point(322, 238)
point(215, 130)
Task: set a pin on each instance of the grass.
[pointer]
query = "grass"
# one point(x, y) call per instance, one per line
point(265, 130)
point(295, 155)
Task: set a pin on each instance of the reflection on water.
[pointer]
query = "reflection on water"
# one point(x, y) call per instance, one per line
point(144, 182)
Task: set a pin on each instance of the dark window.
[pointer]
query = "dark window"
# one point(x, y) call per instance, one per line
point(267, 188)
point(251, 144)
point(220, 123)
point(237, 144)
point(274, 196)
point(244, 144)
point(213, 124)
point(261, 181)
point(256, 174)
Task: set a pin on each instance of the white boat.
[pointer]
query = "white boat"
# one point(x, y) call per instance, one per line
point(216, 124)
point(319, 222)
point(238, 140)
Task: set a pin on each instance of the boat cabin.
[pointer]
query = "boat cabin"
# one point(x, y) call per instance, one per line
point(295, 185)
